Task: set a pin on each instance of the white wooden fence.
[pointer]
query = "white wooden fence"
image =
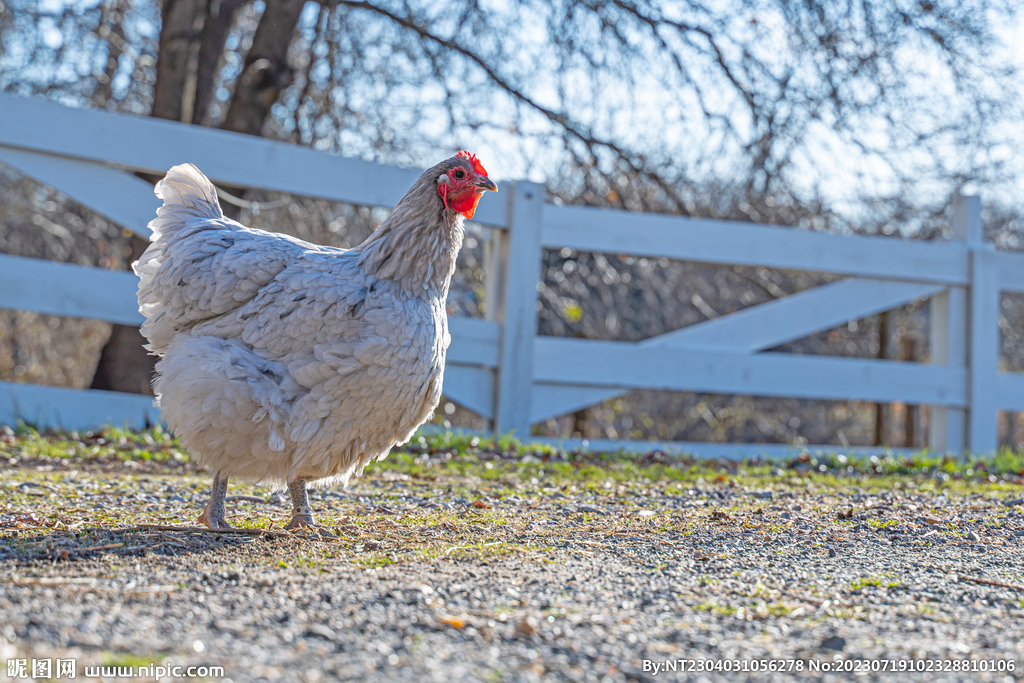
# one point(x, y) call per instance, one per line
point(499, 367)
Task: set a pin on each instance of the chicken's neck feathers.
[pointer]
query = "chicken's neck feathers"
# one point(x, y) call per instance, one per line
point(417, 244)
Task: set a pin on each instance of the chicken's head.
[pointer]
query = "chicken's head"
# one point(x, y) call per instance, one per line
point(463, 183)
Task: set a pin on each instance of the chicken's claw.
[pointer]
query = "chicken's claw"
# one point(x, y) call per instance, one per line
point(302, 519)
point(213, 521)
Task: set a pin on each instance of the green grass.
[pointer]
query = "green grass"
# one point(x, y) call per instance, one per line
point(374, 561)
point(123, 659)
point(882, 523)
point(440, 457)
point(108, 444)
point(716, 608)
point(873, 582)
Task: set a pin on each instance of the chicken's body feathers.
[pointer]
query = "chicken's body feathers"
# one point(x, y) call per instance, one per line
point(284, 359)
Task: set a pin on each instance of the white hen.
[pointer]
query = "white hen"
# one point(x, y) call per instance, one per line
point(289, 362)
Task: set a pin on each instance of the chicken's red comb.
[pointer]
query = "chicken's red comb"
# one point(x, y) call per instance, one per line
point(471, 158)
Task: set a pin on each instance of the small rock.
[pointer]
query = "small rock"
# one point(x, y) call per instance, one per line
point(247, 499)
point(836, 643)
point(831, 553)
point(1015, 501)
point(932, 520)
point(385, 510)
point(764, 495)
point(321, 631)
point(590, 508)
point(646, 513)
point(971, 536)
point(372, 545)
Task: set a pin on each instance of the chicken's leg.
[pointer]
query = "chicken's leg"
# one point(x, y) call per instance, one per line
point(213, 516)
point(302, 513)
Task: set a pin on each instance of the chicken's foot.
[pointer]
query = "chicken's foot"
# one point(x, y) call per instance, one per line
point(302, 513)
point(213, 516)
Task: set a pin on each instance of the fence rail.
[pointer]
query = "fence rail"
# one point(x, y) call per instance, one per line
point(500, 367)
point(745, 244)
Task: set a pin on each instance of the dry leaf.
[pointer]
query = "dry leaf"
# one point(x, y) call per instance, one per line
point(525, 629)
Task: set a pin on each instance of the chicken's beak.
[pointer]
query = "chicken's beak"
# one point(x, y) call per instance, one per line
point(486, 184)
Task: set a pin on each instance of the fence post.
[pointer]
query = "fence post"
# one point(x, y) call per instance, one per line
point(515, 273)
point(983, 340)
point(950, 333)
point(965, 333)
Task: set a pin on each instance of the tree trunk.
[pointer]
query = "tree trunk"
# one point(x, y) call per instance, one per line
point(882, 409)
point(191, 42)
point(176, 59)
point(124, 364)
point(266, 71)
point(220, 16)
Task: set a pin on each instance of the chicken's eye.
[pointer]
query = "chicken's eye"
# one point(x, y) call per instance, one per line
point(460, 174)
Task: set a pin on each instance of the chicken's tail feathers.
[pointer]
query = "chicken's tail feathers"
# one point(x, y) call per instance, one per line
point(190, 204)
point(187, 195)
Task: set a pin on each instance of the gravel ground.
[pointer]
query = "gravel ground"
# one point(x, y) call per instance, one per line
point(451, 568)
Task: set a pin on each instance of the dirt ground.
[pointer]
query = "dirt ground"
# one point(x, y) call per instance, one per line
point(463, 561)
